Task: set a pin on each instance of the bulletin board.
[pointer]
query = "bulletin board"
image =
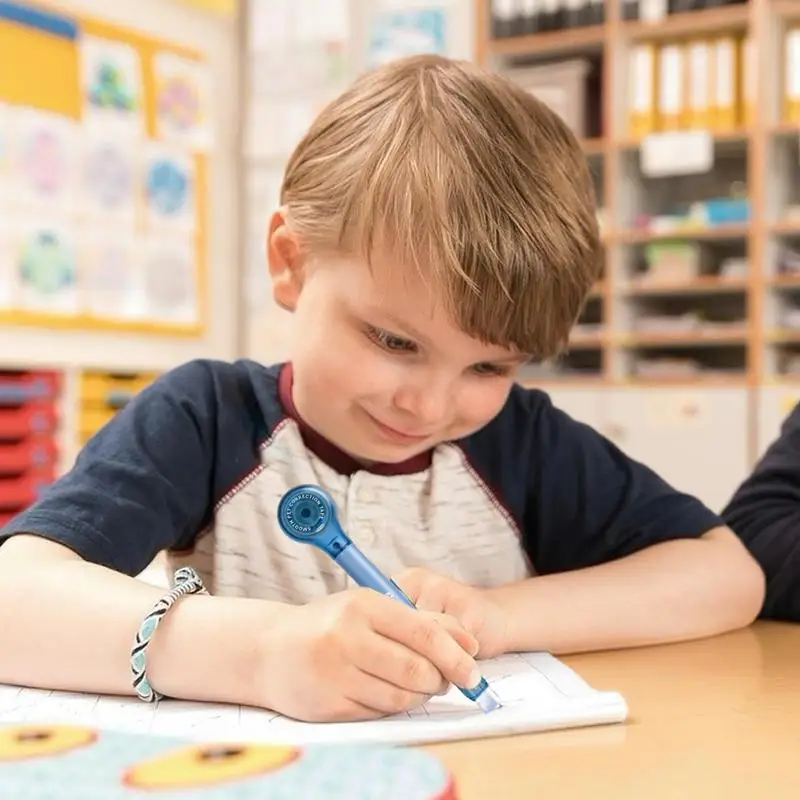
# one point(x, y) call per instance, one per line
point(104, 144)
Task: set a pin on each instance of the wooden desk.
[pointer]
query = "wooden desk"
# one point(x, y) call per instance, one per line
point(718, 718)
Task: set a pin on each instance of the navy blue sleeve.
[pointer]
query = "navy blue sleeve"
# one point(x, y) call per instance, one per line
point(148, 480)
point(578, 499)
point(764, 513)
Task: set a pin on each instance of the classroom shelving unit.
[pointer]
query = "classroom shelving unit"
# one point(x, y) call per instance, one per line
point(688, 351)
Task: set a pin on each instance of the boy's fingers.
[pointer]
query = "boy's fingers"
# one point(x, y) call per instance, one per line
point(384, 697)
point(388, 660)
point(425, 634)
point(458, 632)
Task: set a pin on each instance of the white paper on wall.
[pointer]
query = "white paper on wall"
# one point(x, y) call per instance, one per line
point(44, 261)
point(111, 85)
point(183, 89)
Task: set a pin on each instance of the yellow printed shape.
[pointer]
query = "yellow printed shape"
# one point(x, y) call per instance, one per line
point(18, 742)
point(203, 765)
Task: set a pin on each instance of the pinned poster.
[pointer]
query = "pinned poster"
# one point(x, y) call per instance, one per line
point(7, 276)
point(182, 101)
point(45, 266)
point(396, 34)
point(107, 179)
point(170, 280)
point(169, 186)
point(42, 156)
point(111, 85)
point(111, 285)
point(5, 160)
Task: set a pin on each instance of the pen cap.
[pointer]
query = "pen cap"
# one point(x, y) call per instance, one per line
point(307, 514)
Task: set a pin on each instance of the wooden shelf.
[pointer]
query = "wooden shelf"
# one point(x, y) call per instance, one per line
point(738, 136)
point(785, 281)
point(701, 379)
point(788, 227)
point(786, 9)
point(648, 288)
point(696, 338)
point(690, 24)
point(594, 147)
point(635, 236)
point(555, 43)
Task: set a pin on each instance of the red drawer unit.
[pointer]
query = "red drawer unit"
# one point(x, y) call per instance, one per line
point(18, 492)
point(28, 449)
point(35, 419)
point(35, 453)
point(19, 388)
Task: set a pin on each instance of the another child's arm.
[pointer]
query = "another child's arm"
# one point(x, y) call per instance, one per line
point(765, 513)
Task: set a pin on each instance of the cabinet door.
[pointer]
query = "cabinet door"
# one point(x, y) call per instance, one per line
point(582, 404)
point(774, 405)
point(694, 438)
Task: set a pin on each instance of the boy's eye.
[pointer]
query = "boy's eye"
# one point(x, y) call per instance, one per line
point(491, 370)
point(389, 341)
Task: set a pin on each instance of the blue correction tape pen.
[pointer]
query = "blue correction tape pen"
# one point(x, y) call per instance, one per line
point(307, 515)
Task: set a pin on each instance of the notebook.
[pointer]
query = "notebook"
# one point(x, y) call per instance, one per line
point(539, 692)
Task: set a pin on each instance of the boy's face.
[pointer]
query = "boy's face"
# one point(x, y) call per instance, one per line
point(378, 368)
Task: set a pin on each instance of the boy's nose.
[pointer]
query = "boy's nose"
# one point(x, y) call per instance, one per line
point(427, 404)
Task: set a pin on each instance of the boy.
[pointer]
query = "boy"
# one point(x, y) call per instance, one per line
point(765, 513)
point(437, 230)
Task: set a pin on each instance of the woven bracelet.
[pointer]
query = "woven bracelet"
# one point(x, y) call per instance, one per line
point(186, 581)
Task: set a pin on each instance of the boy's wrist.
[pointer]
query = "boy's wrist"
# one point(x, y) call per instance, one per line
point(208, 649)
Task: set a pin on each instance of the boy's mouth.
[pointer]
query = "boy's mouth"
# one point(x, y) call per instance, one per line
point(397, 435)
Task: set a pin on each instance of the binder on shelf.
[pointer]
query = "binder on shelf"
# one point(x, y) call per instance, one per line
point(597, 12)
point(791, 91)
point(697, 85)
point(503, 15)
point(630, 10)
point(527, 17)
point(642, 83)
point(671, 94)
point(726, 84)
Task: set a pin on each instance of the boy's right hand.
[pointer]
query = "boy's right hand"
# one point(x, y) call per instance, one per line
point(359, 655)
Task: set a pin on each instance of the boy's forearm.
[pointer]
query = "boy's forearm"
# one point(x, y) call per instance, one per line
point(67, 624)
point(682, 589)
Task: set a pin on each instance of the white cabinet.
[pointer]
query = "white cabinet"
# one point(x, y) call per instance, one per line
point(582, 404)
point(774, 405)
point(694, 438)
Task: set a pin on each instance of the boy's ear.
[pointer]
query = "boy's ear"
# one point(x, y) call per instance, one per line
point(285, 261)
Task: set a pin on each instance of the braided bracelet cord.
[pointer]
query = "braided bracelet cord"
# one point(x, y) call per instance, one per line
point(186, 581)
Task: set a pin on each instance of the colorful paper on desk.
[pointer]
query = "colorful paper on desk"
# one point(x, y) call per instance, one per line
point(73, 762)
point(538, 691)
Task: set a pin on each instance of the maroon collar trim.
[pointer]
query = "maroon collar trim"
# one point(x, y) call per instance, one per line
point(335, 458)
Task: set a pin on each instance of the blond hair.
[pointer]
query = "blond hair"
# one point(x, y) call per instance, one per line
point(467, 177)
